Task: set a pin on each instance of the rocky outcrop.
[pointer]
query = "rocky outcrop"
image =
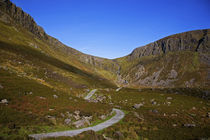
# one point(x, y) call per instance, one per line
point(10, 13)
point(198, 41)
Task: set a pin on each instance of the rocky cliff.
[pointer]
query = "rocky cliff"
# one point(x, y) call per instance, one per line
point(197, 41)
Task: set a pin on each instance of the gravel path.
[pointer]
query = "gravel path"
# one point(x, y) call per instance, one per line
point(119, 115)
point(90, 94)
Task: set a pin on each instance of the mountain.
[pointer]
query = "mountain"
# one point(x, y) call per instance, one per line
point(43, 85)
point(180, 60)
point(149, 65)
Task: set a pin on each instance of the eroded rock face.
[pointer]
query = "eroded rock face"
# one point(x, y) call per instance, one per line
point(11, 11)
point(189, 41)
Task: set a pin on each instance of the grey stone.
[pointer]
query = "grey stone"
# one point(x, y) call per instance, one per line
point(137, 106)
point(154, 111)
point(173, 74)
point(4, 101)
point(169, 98)
point(1, 87)
point(189, 125)
point(138, 116)
point(79, 123)
point(102, 117)
point(62, 115)
point(55, 96)
point(154, 102)
point(43, 98)
point(67, 121)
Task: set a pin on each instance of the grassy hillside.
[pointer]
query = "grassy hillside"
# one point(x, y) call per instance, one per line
point(31, 73)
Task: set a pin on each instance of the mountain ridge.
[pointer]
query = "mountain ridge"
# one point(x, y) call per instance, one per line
point(196, 41)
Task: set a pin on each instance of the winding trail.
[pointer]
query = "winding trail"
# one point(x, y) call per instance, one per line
point(90, 94)
point(119, 115)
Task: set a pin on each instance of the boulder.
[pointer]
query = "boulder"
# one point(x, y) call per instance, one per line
point(138, 116)
point(55, 96)
point(169, 98)
point(173, 74)
point(137, 106)
point(154, 111)
point(79, 123)
point(102, 117)
point(1, 87)
point(154, 102)
point(189, 125)
point(4, 101)
point(118, 89)
point(67, 121)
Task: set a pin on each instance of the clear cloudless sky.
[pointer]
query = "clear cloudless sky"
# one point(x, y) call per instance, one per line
point(113, 28)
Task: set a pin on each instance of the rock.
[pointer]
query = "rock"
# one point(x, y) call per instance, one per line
point(189, 125)
point(193, 108)
point(19, 17)
point(55, 96)
point(70, 98)
point(106, 138)
point(62, 115)
point(174, 125)
point(67, 121)
point(103, 117)
point(79, 123)
point(77, 112)
point(173, 74)
point(138, 116)
point(169, 98)
point(154, 111)
point(118, 135)
point(4, 101)
point(137, 106)
point(29, 93)
point(154, 102)
point(77, 117)
point(1, 87)
point(118, 89)
point(43, 98)
point(173, 115)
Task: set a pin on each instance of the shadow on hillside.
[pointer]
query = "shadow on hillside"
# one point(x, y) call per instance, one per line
point(196, 92)
point(37, 57)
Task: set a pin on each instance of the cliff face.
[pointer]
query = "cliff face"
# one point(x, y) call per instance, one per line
point(11, 14)
point(196, 41)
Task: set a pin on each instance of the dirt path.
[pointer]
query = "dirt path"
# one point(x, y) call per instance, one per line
point(119, 115)
point(90, 94)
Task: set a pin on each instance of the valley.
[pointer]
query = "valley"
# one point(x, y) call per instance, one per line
point(159, 91)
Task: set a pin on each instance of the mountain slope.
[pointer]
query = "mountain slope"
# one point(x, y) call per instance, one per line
point(181, 60)
point(150, 65)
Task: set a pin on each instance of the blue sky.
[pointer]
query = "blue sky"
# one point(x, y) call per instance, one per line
point(113, 28)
